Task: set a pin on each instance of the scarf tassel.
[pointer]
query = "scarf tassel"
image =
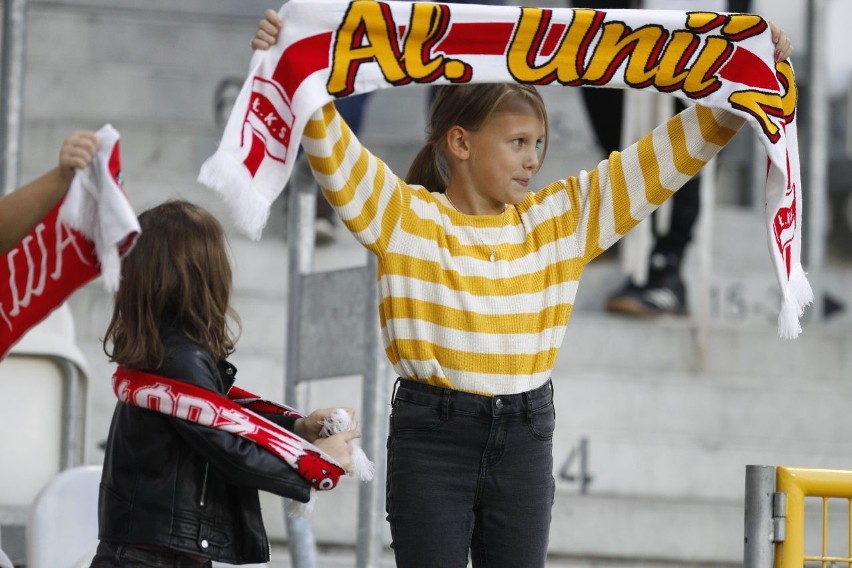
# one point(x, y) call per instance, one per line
point(232, 181)
point(362, 468)
point(797, 295)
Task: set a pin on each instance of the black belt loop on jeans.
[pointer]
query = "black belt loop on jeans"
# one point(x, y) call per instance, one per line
point(445, 405)
point(527, 407)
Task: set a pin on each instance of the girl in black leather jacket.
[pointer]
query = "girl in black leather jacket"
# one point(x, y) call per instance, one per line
point(175, 493)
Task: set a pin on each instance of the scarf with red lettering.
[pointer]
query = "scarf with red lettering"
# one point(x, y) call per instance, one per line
point(81, 238)
point(236, 413)
point(334, 48)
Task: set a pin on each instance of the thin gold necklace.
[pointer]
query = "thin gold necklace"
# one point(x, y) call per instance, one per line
point(493, 251)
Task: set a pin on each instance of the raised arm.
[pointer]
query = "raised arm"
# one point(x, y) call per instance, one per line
point(367, 196)
point(628, 186)
point(25, 207)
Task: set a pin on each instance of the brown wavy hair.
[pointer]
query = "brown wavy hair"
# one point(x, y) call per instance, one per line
point(469, 106)
point(178, 274)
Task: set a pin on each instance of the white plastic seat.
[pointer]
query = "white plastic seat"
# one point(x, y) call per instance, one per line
point(62, 530)
point(44, 393)
point(4, 560)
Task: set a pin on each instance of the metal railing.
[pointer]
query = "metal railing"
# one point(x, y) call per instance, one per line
point(775, 518)
point(336, 308)
point(12, 66)
point(798, 484)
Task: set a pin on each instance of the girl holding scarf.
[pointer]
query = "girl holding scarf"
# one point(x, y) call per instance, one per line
point(175, 492)
point(477, 274)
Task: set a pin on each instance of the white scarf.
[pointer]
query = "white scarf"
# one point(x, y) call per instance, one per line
point(333, 48)
point(97, 206)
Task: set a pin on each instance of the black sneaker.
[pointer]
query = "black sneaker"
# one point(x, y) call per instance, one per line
point(666, 296)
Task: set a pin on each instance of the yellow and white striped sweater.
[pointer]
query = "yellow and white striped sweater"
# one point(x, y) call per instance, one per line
point(451, 317)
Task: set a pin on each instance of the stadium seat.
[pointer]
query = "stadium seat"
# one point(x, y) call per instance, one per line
point(62, 530)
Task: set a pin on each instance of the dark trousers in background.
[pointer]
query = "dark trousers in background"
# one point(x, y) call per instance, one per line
point(605, 109)
point(470, 474)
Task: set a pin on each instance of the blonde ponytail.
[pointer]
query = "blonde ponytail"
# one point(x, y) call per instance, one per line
point(428, 169)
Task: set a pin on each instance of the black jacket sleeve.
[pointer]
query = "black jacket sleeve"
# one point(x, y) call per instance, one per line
point(238, 461)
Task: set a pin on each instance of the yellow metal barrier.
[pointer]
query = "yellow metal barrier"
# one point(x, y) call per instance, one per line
point(798, 483)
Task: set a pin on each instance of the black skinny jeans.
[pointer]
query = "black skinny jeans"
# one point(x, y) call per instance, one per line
point(470, 474)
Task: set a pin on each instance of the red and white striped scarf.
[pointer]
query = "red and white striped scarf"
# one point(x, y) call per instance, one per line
point(81, 238)
point(236, 413)
point(334, 48)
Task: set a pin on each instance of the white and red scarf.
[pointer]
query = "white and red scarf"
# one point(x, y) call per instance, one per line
point(236, 413)
point(81, 238)
point(334, 48)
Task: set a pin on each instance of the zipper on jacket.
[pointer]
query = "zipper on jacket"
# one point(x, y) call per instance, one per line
point(204, 485)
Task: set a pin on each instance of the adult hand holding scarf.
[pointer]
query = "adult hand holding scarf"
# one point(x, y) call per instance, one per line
point(331, 48)
point(79, 239)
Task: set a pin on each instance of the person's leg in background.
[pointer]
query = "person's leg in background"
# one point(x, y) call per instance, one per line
point(605, 110)
point(664, 292)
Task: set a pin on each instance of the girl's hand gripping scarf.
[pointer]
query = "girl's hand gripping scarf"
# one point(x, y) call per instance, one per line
point(333, 48)
point(237, 414)
point(81, 238)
